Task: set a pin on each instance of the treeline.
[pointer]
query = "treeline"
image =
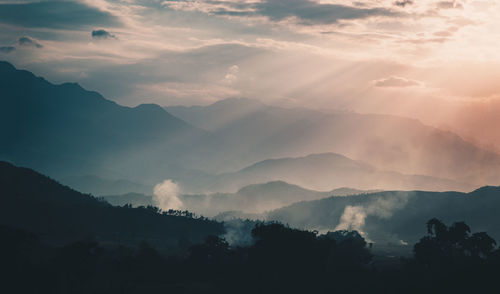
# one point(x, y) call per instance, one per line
point(157, 210)
point(281, 260)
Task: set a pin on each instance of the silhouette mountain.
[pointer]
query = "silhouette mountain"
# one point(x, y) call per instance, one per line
point(65, 130)
point(387, 142)
point(58, 214)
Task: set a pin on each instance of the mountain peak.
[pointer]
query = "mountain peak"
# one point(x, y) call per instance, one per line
point(150, 107)
point(277, 184)
point(238, 102)
point(487, 190)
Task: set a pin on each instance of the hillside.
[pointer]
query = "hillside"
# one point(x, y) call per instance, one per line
point(67, 131)
point(396, 216)
point(58, 214)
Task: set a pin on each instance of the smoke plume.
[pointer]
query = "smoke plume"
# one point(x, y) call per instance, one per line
point(354, 217)
point(239, 232)
point(166, 195)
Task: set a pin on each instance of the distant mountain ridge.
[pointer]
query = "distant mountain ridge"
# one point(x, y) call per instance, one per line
point(327, 171)
point(255, 198)
point(387, 142)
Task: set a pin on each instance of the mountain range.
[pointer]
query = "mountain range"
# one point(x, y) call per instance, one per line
point(254, 131)
point(327, 171)
point(65, 131)
point(82, 139)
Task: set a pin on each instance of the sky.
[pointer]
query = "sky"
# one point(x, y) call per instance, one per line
point(437, 61)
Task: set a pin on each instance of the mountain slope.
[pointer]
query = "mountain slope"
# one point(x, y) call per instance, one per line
point(396, 215)
point(65, 130)
point(58, 214)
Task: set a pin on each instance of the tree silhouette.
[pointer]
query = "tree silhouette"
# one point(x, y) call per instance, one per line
point(452, 246)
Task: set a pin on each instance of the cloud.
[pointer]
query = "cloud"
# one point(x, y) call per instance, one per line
point(449, 5)
point(231, 74)
point(310, 12)
point(54, 14)
point(395, 82)
point(28, 42)
point(403, 3)
point(7, 49)
point(102, 34)
point(306, 12)
point(443, 34)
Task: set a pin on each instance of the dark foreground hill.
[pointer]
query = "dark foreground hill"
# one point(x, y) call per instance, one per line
point(451, 259)
point(38, 215)
point(396, 216)
point(59, 215)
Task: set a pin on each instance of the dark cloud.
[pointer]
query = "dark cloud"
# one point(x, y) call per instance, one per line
point(310, 12)
point(403, 3)
point(28, 42)
point(102, 34)
point(395, 82)
point(7, 49)
point(54, 14)
point(306, 11)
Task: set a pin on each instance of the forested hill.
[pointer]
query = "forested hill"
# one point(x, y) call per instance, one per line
point(396, 215)
point(58, 214)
